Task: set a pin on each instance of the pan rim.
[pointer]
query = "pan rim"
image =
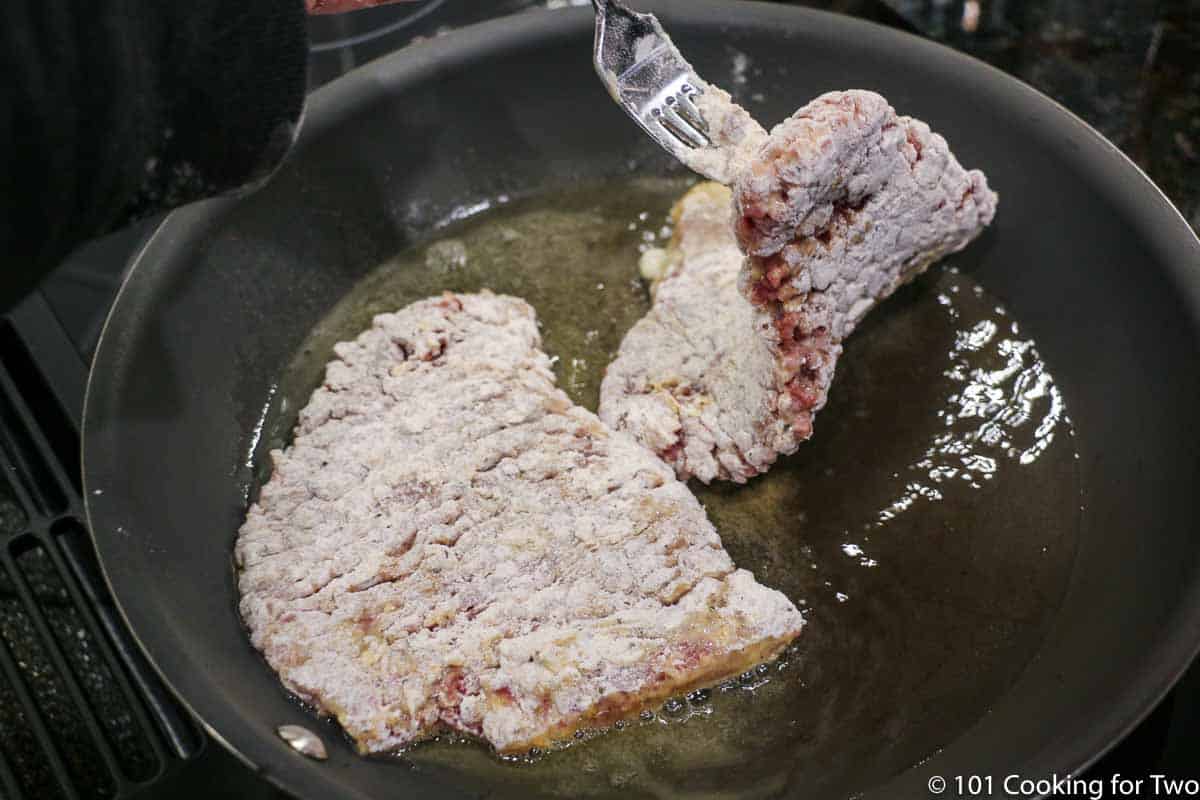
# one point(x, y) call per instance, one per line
point(1175, 647)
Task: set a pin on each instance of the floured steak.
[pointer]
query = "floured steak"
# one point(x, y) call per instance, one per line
point(845, 203)
point(694, 380)
point(835, 209)
point(449, 543)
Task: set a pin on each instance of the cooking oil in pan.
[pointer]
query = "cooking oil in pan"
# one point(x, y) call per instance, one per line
point(927, 529)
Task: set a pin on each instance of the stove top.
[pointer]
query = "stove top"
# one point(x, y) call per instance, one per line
point(81, 713)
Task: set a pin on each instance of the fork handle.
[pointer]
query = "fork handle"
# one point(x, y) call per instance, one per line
point(600, 5)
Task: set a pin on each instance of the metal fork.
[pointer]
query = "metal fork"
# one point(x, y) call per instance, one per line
point(647, 76)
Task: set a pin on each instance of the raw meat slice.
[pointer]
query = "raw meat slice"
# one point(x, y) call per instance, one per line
point(450, 543)
point(694, 380)
point(844, 204)
point(841, 205)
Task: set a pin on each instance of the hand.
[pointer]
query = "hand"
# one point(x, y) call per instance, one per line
point(338, 6)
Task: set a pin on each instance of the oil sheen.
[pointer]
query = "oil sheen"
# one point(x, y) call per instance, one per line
point(928, 528)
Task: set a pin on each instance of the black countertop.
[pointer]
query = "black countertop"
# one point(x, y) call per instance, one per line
point(1130, 68)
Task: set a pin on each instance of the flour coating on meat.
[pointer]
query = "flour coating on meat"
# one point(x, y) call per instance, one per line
point(450, 543)
point(694, 380)
point(841, 205)
point(845, 203)
point(736, 137)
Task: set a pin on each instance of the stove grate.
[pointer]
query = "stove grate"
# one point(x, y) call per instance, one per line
point(82, 714)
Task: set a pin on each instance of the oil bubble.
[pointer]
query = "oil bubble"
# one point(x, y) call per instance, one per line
point(673, 707)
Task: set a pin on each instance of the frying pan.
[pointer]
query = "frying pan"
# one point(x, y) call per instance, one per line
point(1086, 252)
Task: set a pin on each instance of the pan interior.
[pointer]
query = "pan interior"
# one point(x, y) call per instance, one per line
point(928, 529)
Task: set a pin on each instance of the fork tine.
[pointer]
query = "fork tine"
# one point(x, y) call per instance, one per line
point(669, 119)
point(687, 109)
point(647, 76)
